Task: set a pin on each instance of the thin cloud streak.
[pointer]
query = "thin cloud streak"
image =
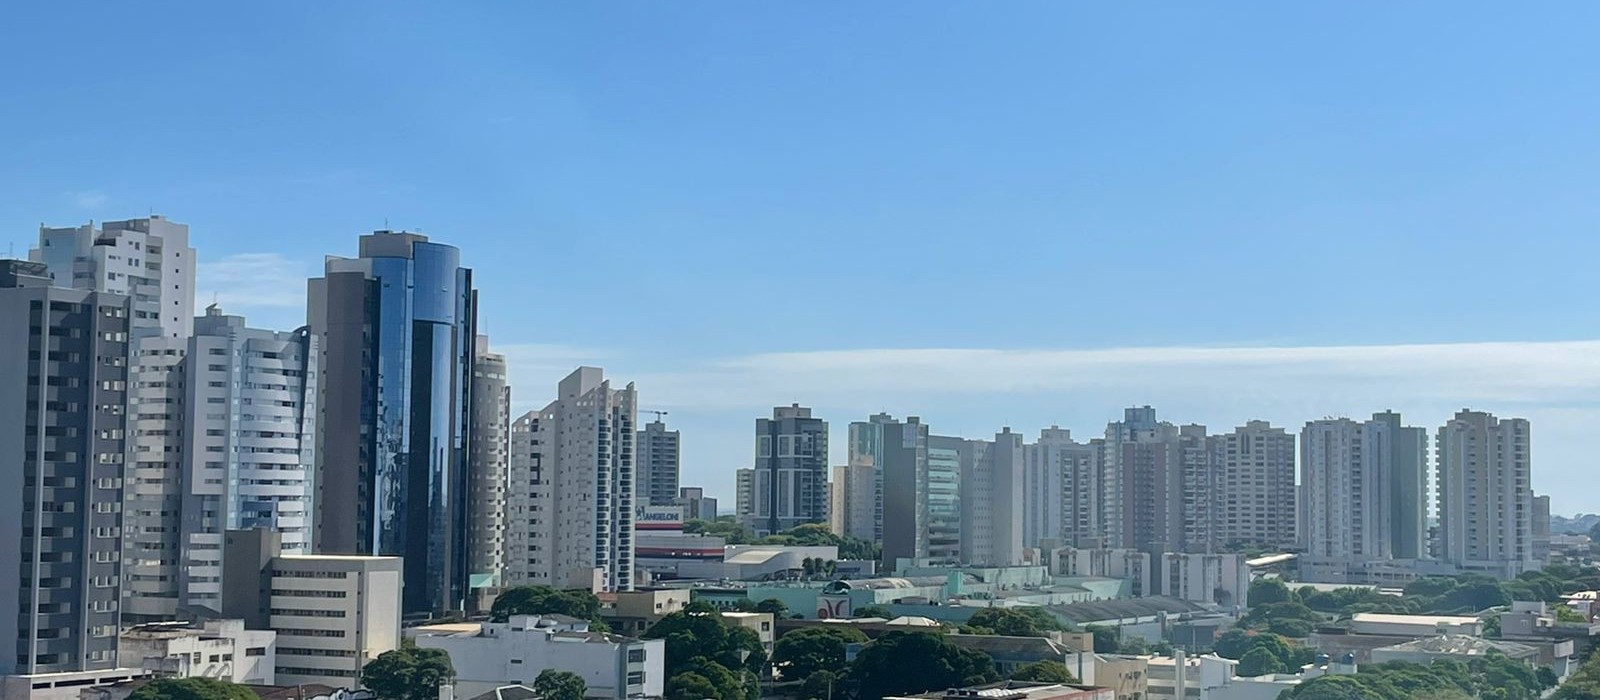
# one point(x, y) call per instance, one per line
point(1533, 372)
point(246, 281)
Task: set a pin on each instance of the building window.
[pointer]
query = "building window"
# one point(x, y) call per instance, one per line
point(635, 656)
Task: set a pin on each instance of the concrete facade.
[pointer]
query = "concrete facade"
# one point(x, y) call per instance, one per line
point(791, 471)
point(63, 445)
point(493, 654)
point(149, 261)
point(218, 649)
point(248, 449)
point(1485, 496)
point(573, 487)
point(1255, 498)
point(658, 461)
point(491, 460)
point(332, 614)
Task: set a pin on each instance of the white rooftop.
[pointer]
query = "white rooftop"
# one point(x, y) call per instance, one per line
point(1397, 619)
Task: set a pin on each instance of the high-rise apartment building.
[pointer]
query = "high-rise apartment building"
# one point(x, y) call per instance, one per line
point(573, 477)
point(63, 432)
point(791, 470)
point(248, 448)
point(1255, 501)
point(1158, 487)
point(744, 494)
point(991, 487)
point(526, 481)
point(1361, 494)
point(1061, 490)
point(1407, 451)
point(490, 459)
point(857, 502)
point(1485, 506)
point(147, 260)
point(658, 464)
point(918, 525)
point(863, 490)
point(396, 327)
point(150, 262)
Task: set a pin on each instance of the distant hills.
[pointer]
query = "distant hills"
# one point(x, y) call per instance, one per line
point(1579, 524)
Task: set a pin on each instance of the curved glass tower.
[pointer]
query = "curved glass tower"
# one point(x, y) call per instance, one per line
point(397, 328)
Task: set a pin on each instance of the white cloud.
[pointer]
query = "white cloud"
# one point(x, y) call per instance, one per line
point(88, 199)
point(244, 282)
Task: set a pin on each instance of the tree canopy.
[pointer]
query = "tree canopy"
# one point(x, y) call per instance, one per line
point(1044, 672)
point(1495, 677)
point(544, 600)
point(191, 689)
point(902, 663)
point(1012, 622)
point(1267, 590)
point(872, 611)
point(698, 630)
point(408, 673)
point(801, 653)
point(554, 684)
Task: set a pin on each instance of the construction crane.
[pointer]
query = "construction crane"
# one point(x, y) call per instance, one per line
point(659, 414)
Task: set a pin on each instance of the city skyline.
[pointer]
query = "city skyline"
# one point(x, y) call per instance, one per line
point(1280, 204)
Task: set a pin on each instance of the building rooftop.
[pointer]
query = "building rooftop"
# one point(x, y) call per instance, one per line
point(1464, 645)
point(508, 692)
point(1398, 619)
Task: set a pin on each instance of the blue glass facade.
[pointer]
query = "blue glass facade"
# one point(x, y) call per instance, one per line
point(410, 490)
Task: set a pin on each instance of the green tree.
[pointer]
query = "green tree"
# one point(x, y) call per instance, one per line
point(872, 611)
point(191, 689)
point(803, 652)
point(1290, 628)
point(544, 600)
point(1260, 661)
point(554, 684)
point(1012, 622)
point(699, 631)
point(691, 686)
point(822, 685)
point(1044, 672)
point(408, 673)
point(1106, 639)
point(902, 663)
point(1267, 590)
point(778, 608)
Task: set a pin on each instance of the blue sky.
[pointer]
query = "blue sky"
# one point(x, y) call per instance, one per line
point(987, 215)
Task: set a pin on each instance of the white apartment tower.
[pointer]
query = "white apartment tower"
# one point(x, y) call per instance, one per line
point(1255, 504)
point(744, 493)
point(1061, 490)
point(572, 488)
point(248, 450)
point(1362, 494)
point(1485, 495)
point(491, 434)
point(149, 261)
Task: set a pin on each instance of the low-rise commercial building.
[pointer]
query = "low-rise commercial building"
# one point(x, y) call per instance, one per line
point(332, 614)
point(219, 649)
point(491, 655)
